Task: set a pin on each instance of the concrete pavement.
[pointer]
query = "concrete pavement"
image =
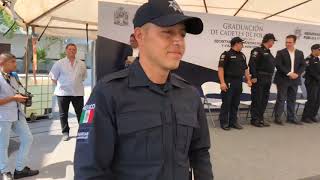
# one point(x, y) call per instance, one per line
point(275, 153)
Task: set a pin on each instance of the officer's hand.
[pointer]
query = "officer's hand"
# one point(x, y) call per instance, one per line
point(19, 98)
point(254, 80)
point(249, 83)
point(223, 87)
point(295, 75)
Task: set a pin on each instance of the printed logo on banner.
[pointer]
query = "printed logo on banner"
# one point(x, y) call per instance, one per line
point(121, 17)
point(298, 33)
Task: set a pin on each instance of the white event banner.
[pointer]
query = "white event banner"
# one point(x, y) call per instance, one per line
point(115, 22)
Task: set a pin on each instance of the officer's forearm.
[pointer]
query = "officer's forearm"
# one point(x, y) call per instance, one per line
point(247, 74)
point(6, 100)
point(221, 75)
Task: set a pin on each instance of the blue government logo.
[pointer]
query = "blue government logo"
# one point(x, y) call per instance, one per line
point(298, 33)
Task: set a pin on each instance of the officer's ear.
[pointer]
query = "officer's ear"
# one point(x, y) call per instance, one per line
point(138, 34)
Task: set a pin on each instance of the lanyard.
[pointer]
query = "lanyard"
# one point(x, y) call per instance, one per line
point(7, 78)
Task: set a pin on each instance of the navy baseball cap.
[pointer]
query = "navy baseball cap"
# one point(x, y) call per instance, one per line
point(166, 13)
point(315, 47)
point(236, 40)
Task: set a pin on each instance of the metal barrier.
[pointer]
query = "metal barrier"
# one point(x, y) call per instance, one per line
point(42, 91)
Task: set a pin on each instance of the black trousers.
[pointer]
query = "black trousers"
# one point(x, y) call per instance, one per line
point(63, 103)
point(260, 92)
point(230, 102)
point(287, 92)
point(311, 107)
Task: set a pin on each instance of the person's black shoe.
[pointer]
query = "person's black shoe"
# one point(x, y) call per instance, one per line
point(6, 176)
point(314, 119)
point(65, 137)
point(236, 126)
point(279, 122)
point(307, 120)
point(225, 127)
point(256, 124)
point(26, 172)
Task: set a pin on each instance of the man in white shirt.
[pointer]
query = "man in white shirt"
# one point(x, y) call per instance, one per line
point(69, 73)
point(290, 65)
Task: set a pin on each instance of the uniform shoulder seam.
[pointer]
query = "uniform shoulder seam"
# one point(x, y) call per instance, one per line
point(116, 75)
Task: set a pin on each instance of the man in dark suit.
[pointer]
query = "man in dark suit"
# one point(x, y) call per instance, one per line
point(290, 65)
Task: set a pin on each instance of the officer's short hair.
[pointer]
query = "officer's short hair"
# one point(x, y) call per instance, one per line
point(71, 44)
point(294, 37)
point(6, 56)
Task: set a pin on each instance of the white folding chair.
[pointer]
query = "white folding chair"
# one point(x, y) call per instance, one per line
point(212, 103)
point(301, 101)
point(273, 90)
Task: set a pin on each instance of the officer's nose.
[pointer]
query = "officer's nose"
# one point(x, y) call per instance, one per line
point(178, 40)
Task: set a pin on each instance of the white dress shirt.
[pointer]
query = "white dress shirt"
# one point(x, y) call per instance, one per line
point(292, 56)
point(69, 77)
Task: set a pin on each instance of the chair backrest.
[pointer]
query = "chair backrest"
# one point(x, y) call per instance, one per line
point(273, 89)
point(246, 89)
point(210, 88)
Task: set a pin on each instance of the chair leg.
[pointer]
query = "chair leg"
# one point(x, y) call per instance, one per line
point(297, 108)
point(248, 112)
point(273, 111)
point(211, 115)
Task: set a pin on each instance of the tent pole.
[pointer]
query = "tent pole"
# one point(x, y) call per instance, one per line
point(26, 63)
point(205, 5)
point(44, 30)
point(87, 34)
point(241, 7)
point(287, 9)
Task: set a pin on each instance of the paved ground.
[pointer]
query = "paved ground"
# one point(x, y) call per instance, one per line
point(275, 153)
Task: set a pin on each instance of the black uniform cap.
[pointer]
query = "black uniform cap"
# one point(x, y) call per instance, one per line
point(166, 13)
point(315, 47)
point(268, 37)
point(236, 40)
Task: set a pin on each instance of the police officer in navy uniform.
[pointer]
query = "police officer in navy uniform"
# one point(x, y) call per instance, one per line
point(261, 65)
point(232, 68)
point(145, 122)
point(312, 82)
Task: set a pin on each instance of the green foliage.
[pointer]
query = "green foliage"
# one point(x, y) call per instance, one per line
point(63, 55)
point(6, 20)
point(42, 55)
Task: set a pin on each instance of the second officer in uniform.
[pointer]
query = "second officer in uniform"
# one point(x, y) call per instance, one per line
point(312, 82)
point(232, 68)
point(261, 65)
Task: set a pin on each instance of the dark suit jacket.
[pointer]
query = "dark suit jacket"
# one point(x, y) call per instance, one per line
point(283, 65)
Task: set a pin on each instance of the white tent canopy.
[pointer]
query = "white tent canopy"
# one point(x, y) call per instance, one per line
point(71, 18)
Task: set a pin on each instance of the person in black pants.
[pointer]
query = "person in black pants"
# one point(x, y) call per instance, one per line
point(261, 65)
point(69, 73)
point(290, 65)
point(312, 82)
point(232, 68)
